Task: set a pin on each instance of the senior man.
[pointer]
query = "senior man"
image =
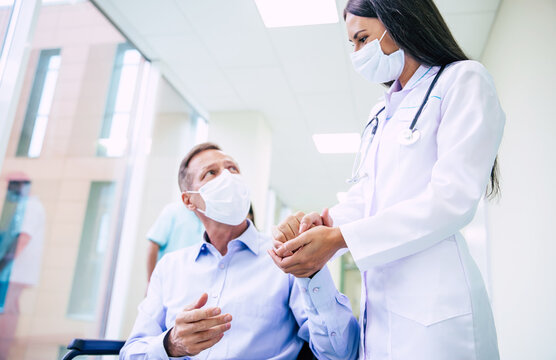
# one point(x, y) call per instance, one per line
point(241, 306)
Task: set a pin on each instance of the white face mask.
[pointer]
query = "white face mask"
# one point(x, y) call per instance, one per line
point(226, 198)
point(375, 65)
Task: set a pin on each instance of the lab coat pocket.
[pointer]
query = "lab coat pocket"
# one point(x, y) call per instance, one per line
point(428, 287)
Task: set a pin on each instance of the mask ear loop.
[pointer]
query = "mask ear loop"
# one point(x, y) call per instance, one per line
point(384, 33)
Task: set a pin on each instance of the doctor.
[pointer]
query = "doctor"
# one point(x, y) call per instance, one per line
point(426, 155)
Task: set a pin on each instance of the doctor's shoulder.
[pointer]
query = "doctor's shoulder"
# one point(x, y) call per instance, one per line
point(467, 73)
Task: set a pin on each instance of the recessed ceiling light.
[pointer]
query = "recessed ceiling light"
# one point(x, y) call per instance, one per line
point(282, 13)
point(343, 143)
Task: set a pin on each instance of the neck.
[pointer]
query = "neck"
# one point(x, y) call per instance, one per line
point(221, 234)
point(411, 65)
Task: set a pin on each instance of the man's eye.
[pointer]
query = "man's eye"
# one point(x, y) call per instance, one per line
point(210, 172)
point(363, 39)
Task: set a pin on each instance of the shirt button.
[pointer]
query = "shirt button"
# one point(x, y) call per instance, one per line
point(316, 289)
point(222, 266)
point(333, 333)
point(214, 295)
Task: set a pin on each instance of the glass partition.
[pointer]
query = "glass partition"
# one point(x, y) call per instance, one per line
point(61, 202)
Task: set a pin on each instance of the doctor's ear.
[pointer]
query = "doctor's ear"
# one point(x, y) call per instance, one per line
point(186, 199)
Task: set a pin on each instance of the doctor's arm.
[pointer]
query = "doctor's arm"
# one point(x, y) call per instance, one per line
point(468, 138)
point(324, 316)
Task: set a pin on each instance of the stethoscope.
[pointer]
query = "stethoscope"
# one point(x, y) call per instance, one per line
point(407, 137)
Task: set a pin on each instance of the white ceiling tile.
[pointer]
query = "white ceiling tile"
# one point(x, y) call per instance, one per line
point(267, 90)
point(152, 17)
point(206, 84)
point(232, 31)
point(185, 50)
point(329, 112)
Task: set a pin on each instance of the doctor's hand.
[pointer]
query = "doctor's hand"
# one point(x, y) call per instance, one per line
point(196, 329)
point(296, 224)
point(312, 250)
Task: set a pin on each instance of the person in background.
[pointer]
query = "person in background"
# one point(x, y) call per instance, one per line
point(175, 228)
point(223, 298)
point(22, 227)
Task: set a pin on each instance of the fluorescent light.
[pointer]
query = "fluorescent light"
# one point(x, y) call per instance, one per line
point(282, 13)
point(345, 143)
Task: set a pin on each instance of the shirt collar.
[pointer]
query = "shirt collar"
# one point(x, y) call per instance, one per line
point(249, 238)
point(422, 73)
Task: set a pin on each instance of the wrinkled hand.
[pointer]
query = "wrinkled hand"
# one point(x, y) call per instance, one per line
point(196, 329)
point(296, 224)
point(314, 248)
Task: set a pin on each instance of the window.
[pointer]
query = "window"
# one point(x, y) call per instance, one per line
point(40, 102)
point(112, 141)
point(92, 250)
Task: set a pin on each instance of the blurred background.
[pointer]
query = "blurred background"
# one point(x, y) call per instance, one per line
point(100, 100)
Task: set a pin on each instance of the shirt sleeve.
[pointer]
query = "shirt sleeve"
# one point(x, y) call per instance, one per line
point(325, 317)
point(468, 138)
point(161, 229)
point(147, 337)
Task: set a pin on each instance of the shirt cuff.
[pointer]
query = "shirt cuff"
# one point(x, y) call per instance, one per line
point(319, 291)
point(156, 348)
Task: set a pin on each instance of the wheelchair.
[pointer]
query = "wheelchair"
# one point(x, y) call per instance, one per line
point(79, 347)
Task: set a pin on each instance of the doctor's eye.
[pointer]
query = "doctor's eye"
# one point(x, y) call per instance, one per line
point(233, 169)
point(363, 39)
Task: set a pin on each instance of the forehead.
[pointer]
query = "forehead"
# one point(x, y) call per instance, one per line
point(208, 158)
point(355, 23)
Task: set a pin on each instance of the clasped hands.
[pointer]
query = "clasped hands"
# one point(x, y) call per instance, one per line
point(303, 244)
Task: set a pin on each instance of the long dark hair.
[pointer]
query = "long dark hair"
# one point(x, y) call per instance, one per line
point(419, 29)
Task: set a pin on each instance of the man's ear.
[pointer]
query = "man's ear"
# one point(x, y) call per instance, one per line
point(186, 199)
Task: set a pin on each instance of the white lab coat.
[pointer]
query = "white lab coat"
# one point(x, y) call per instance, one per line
point(423, 297)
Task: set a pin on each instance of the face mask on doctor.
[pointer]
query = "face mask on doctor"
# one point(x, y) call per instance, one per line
point(226, 198)
point(374, 65)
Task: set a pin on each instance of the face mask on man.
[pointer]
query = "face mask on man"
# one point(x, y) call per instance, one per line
point(374, 65)
point(226, 198)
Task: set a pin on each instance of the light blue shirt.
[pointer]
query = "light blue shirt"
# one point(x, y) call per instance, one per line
point(175, 228)
point(273, 312)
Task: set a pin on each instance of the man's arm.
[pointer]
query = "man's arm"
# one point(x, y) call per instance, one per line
point(152, 257)
point(325, 317)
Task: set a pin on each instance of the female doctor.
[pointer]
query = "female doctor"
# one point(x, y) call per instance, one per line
point(426, 155)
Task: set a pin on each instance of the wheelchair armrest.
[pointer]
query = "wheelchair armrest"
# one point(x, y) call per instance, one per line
point(93, 347)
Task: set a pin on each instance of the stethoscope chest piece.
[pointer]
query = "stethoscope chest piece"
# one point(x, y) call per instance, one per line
point(408, 136)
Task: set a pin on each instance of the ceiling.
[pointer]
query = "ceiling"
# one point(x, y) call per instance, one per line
point(221, 57)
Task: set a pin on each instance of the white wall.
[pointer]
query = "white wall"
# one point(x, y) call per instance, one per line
point(520, 55)
point(172, 138)
point(246, 136)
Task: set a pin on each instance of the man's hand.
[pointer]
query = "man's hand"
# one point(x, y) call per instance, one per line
point(196, 329)
point(296, 224)
point(312, 250)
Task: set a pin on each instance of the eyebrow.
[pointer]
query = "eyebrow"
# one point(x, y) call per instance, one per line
point(357, 34)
